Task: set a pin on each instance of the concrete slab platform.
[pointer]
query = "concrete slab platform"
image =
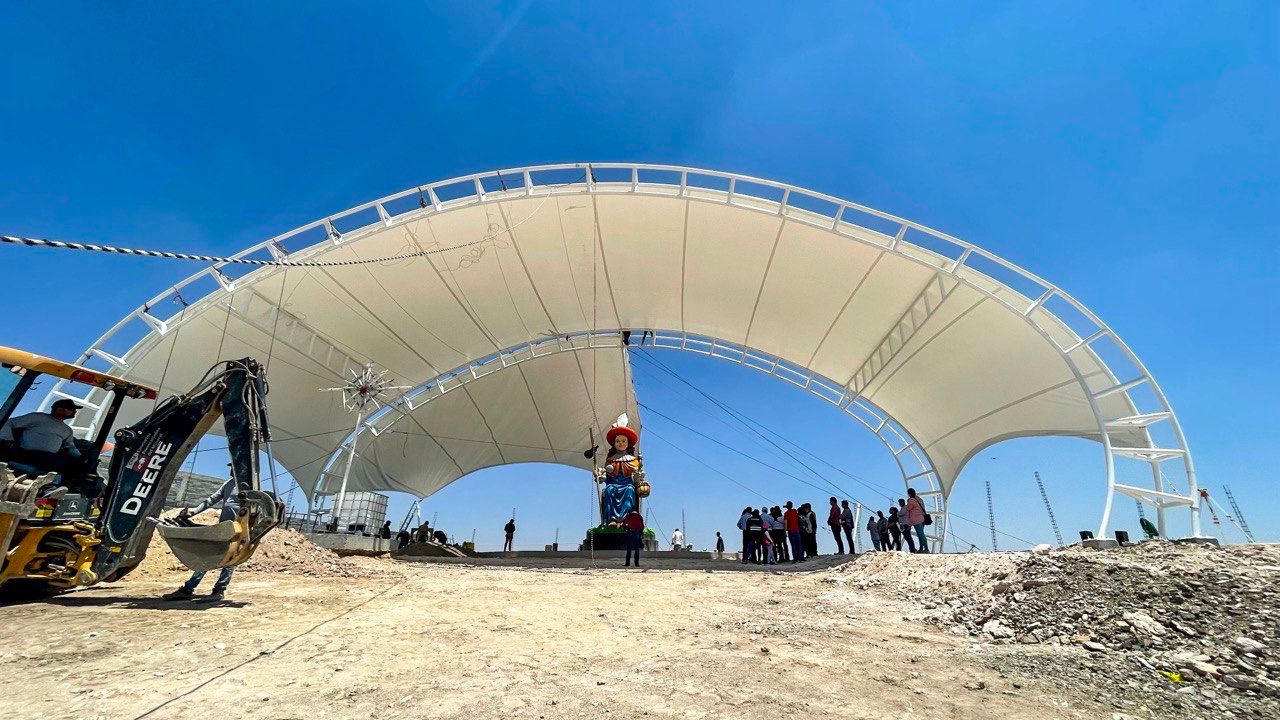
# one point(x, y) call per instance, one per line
point(697, 562)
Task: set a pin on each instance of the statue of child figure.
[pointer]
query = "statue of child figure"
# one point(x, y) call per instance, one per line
point(622, 474)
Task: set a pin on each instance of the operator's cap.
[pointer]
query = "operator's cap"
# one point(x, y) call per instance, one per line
point(66, 405)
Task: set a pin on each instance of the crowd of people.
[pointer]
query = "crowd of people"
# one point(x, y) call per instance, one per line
point(790, 534)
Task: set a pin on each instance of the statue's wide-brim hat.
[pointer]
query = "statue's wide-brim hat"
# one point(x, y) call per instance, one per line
point(623, 430)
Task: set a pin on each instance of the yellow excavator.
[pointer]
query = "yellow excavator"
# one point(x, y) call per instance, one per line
point(63, 525)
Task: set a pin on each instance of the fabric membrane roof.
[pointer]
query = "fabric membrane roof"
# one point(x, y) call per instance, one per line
point(949, 354)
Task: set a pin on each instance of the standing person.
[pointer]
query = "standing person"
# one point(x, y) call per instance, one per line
point(779, 534)
point(903, 526)
point(634, 523)
point(833, 522)
point(846, 523)
point(791, 519)
point(766, 541)
point(882, 529)
point(895, 531)
point(767, 521)
point(873, 529)
point(746, 540)
point(811, 537)
point(755, 535)
point(229, 497)
point(510, 530)
point(677, 540)
point(384, 533)
point(719, 546)
point(915, 518)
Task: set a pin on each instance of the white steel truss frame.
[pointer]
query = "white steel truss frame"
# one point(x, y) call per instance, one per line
point(899, 442)
point(856, 222)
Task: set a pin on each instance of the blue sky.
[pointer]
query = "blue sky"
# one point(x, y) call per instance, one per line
point(1125, 152)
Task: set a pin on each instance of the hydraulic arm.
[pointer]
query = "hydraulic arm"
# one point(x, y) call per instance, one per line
point(149, 453)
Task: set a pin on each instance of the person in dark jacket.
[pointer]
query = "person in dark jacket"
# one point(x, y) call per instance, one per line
point(846, 523)
point(510, 531)
point(809, 519)
point(895, 530)
point(755, 534)
point(833, 522)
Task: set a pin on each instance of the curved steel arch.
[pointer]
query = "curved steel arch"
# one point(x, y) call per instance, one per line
point(891, 433)
point(748, 193)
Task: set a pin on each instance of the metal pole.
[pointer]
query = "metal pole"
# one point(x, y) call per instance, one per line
point(684, 532)
point(346, 472)
point(1159, 482)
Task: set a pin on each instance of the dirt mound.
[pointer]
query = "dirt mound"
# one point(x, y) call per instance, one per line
point(286, 552)
point(1189, 629)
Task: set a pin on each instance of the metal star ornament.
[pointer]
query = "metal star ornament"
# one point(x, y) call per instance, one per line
point(367, 390)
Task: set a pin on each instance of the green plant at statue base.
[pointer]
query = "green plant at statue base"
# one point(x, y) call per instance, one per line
point(614, 530)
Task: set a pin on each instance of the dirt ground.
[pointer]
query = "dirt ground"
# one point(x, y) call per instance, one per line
point(427, 641)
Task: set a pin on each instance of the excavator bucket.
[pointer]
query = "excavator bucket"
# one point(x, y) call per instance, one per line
point(227, 543)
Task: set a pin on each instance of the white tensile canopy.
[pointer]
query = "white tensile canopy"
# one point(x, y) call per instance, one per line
point(510, 328)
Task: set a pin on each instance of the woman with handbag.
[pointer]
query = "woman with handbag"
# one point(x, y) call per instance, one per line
point(917, 518)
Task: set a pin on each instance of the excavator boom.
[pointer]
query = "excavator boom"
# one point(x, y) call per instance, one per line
point(149, 453)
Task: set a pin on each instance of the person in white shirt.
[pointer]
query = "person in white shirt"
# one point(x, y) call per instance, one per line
point(677, 539)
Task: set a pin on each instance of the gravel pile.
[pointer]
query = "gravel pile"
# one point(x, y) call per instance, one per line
point(1157, 629)
point(286, 552)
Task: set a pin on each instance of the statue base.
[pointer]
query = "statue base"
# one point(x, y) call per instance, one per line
point(614, 538)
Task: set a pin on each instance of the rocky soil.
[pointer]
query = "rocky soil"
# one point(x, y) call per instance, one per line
point(1155, 630)
point(454, 642)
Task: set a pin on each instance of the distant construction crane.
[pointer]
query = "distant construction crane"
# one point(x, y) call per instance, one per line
point(1235, 507)
point(1053, 521)
point(991, 518)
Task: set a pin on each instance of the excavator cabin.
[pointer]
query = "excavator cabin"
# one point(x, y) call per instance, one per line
point(19, 372)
